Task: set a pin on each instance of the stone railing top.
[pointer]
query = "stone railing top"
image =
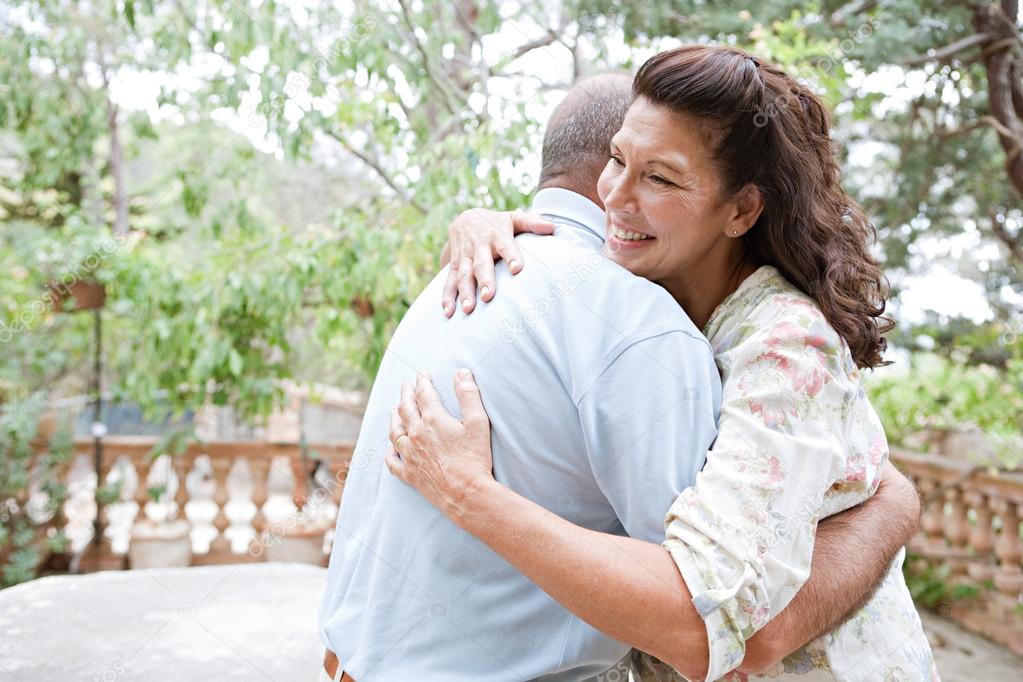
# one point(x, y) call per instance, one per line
point(946, 471)
point(231, 622)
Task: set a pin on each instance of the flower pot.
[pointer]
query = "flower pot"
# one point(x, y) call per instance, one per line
point(167, 544)
point(301, 544)
point(363, 307)
point(86, 295)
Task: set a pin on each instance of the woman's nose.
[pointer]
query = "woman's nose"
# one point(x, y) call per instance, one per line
point(620, 197)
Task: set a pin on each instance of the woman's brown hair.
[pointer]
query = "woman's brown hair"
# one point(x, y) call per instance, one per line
point(768, 129)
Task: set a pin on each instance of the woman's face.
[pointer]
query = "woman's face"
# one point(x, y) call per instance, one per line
point(663, 197)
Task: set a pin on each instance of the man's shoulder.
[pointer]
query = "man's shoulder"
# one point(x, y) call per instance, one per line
point(573, 259)
point(599, 307)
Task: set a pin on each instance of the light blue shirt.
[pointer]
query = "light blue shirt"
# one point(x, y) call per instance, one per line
point(603, 398)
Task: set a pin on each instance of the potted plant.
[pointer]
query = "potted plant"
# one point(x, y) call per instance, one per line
point(299, 537)
point(296, 541)
point(160, 544)
point(85, 295)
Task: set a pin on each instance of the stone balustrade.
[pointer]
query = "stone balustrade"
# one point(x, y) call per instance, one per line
point(241, 496)
point(970, 525)
point(237, 496)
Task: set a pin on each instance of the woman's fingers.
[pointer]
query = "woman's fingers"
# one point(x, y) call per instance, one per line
point(428, 401)
point(408, 409)
point(483, 269)
point(450, 291)
point(395, 465)
point(466, 282)
point(477, 238)
point(453, 250)
point(530, 222)
point(397, 428)
point(506, 248)
point(468, 393)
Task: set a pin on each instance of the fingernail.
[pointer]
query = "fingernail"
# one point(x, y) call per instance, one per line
point(484, 291)
point(514, 264)
point(466, 303)
point(447, 307)
point(463, 374)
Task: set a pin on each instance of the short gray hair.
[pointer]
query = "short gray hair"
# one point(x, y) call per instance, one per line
point(580, 129)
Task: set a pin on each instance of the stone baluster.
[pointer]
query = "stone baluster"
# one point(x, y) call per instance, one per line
point(260, 470)
point(932, 522)
point(182, 465)
point(106, 466)
point(221, 468)
point(1008, 577)
point(981, 538)
point(142, 469)
point(957, 532)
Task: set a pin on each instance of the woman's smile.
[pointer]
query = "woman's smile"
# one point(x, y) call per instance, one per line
point(622, 237)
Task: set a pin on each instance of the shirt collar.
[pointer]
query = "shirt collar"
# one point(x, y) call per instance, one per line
point(571, 208)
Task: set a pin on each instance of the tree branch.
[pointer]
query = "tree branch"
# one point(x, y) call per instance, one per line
point(427, 65)
point(950, 50)
point(116, 155)
point(1001, 59)
point(543, 41)
point(842, 14)
point(381, 173)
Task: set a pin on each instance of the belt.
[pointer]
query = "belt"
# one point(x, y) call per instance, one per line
point(331, 665)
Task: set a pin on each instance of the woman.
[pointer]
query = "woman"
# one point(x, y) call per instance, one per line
point(721, 186)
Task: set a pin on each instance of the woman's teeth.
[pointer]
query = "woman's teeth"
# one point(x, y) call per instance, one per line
point(628, 236)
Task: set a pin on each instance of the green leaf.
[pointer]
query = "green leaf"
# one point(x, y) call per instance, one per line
point(235, 363)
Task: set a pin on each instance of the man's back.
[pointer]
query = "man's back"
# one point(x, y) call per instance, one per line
point(602, 397)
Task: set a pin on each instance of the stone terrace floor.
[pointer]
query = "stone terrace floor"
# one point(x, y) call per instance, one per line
point(247, 622)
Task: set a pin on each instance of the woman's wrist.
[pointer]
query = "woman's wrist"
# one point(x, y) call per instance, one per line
point(473, 505)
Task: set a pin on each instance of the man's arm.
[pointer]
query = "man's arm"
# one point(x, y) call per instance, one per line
point(837, 587)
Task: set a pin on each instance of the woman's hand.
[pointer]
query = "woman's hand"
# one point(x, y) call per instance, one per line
point(477, 239)
point(441, 457)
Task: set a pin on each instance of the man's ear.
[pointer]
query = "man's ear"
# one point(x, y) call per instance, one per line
point(745, 207)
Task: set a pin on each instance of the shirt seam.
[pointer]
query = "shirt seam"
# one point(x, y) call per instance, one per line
point(619, 349)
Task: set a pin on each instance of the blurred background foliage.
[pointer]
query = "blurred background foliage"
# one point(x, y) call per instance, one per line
point(263, 187)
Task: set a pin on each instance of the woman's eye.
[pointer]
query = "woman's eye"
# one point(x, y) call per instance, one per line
point(616, 161)
point(661, 181)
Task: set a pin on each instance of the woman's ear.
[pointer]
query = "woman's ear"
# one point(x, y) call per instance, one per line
point(745, 207)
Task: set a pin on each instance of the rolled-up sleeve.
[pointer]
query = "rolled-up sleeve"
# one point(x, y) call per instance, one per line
point(743, 536)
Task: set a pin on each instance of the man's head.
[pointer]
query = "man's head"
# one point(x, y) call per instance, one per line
point(579, 132)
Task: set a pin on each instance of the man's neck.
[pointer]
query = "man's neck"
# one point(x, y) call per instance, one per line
point(580, 188)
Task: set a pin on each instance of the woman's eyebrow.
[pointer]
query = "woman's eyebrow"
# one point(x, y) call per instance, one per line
point(678, 168)
point(674, 167)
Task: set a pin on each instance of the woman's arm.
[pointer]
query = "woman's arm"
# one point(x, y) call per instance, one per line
point(838, 588)
point(627, 588)
point(477, 239)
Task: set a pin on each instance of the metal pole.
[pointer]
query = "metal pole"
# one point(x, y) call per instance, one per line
point(97, 421)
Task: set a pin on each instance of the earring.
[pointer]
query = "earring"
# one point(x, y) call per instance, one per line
point(735, 233)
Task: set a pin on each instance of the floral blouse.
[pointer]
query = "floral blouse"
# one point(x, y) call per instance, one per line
point(798, 441)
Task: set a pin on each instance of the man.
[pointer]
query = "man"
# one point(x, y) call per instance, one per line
point(603, 398)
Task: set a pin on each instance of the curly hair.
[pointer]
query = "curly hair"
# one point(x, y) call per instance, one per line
point(768, 129)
